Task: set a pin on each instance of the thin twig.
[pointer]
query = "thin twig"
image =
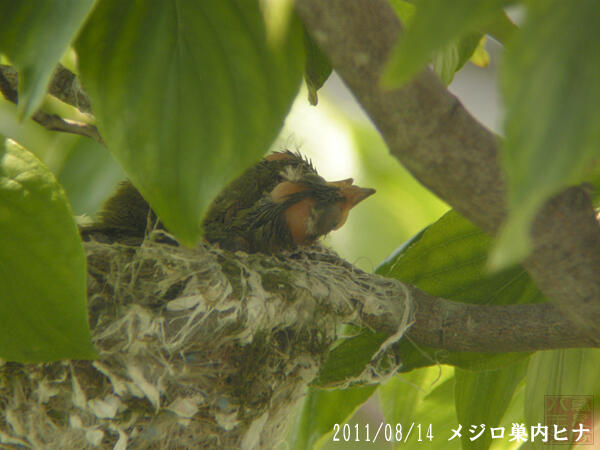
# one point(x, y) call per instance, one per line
point(56, 123)
point(63, 86)
point(66, 87)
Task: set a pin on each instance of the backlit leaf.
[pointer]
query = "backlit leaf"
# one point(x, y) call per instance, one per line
point(187, 94)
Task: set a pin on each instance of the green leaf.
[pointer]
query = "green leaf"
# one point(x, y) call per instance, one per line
point(405, 11)
point(43, 313)
point(89, 175)
point(552, 96)
point(35, 35)
point(448, 259)
point(321, 410)
point(187, 94)
point(500, 27)
point(317, 68)
point(436, 24)
point(423, 397)
point(450, 59)
point(350, 358)
point(560, 372)
point(483, 398)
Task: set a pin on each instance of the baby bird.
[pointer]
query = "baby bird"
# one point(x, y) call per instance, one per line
point(278, 204)
point(289, 205)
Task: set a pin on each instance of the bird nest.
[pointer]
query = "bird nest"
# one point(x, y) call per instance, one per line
point(199, 348)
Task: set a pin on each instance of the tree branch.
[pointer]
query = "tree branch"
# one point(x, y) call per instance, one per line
point(65, 87)
point(431, 133)
point(56, 123)
point(204, 347)
point(456, 326)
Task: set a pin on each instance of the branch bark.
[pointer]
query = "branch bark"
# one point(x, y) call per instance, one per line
point(455, 326)
point(63, 86)
point(433, 136)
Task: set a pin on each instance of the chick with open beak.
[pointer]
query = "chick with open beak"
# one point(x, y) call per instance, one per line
point(292, 206)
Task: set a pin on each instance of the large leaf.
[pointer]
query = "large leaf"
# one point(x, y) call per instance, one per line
point(187, 94)
point(436, 24)
point(483, 397)
point(448, 259)
point(552, 96)
point(420, 402)
point(43, 314)
point(321, 410)
point(35, 35)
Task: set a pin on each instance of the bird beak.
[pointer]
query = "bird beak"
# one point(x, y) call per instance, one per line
point(354, 194)
point(342, 183)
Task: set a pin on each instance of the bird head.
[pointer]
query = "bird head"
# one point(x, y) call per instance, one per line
point(279, 204)
point(312, 207)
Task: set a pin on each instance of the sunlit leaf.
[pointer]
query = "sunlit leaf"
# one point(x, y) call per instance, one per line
point(420, 402)
point(187, 94)
point(480, 57)
point(35, 35)
point(43, 314)
point(405, 11)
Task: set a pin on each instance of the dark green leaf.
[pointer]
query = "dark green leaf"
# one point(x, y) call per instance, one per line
point(435, 25)
point(448, 259)
point(321, 410)
point(317, 68)
point(552, 96)
point(350, 357)
point(187, 94)
point(35, 35)
point(43, 314)
point(483, 397)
